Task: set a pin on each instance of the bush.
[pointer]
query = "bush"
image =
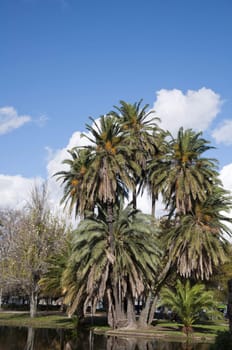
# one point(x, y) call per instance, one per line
point(223, 341)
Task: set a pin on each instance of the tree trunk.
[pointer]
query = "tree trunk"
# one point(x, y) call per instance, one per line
point(110, 225)
point(153, 203)
point(33, 303)
point(143, 319)
point(134, 199)
point(152, 309)
point(147, 313)
point(0, 298)
point(229, 307)
point(131, 318)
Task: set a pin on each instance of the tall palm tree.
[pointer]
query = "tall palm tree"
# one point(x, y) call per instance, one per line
point(138, 126)
point(107, 178)
point(74, 194)
point(183, 176)
point(120, 277)
point(197, 243)
point(156, 160)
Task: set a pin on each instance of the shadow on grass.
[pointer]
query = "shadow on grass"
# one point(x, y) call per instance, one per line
point(203, 330)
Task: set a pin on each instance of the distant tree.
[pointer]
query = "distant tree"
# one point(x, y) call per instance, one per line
point(32, 236)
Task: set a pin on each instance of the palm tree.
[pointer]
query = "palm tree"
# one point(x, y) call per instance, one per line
point(183, 176)
point(96, 273)
point(74, 194)
point(187, 302)
point(107, 178)
point(139, 127)
point(197, 243)
point(155, 163)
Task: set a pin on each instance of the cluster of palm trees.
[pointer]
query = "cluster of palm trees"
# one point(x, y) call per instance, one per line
point(119, 254)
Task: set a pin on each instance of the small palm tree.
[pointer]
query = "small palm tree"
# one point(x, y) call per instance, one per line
point(188, 301)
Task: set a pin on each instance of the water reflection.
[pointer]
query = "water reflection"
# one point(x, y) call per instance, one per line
point(30, 339)
point(114, 343)
point(51, 339)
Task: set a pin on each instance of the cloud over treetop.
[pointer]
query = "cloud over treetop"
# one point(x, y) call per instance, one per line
point(222, 134)
point(195, 109)
point(10, 119)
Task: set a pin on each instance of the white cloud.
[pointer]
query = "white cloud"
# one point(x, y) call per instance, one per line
point(15, 190)
point(226, 177)
point(223, 134)
point(195, 109)
point(10, 120)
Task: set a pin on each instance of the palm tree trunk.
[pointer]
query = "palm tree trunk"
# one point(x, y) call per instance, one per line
point(131, 319)
point(147, 313)
point(143, 318)
point(110, 225)
point(134, 199)
point(152, 309)
point(153, 203)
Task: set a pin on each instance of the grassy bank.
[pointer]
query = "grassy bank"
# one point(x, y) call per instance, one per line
point(168, 330)
point(43, 320)
point(205, 333)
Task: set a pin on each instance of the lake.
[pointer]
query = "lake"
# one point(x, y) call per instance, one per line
point(14, 338)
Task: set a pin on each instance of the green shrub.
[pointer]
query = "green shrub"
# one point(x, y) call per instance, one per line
point(223, 341)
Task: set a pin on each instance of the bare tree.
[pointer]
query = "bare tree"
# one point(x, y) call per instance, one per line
point(28, 238)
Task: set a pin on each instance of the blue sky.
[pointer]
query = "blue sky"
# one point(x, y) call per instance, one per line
point(62, 61)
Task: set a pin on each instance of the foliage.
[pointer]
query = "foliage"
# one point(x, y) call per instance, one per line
point(223, 341)
point(98, 172)
point(182, 175)
point(197, 241)
point(30, 237)
point(93, 268)
point(139, 130)
point(188, 301)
